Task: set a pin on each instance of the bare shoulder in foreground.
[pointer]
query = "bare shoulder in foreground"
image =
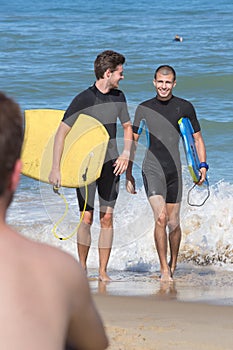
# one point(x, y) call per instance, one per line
point(46, 299)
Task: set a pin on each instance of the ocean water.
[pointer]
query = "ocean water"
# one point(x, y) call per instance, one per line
point(46, 57)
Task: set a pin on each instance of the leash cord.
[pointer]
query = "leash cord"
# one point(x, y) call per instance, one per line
point(203, 202)
point(56, 190)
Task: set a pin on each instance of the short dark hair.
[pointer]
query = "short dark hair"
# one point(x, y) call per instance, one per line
point(166, 69)
point(11, 137)
point(107, 60)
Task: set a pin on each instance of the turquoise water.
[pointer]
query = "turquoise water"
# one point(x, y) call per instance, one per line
point(46, 56)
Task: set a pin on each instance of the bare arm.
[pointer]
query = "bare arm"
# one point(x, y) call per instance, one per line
point(201, 151)
point(55, 175)
point(130, 181)
point(122, 161)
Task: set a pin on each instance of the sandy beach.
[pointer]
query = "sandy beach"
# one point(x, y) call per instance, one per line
point(158, 323)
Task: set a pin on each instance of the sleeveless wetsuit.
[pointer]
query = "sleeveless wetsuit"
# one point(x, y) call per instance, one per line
point(106, 108)
point(161, 169)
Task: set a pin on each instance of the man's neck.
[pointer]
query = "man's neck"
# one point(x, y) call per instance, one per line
point(3, 209)
point(165, 99)
point(102, 86)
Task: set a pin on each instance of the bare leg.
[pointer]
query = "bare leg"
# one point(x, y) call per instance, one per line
point(84, 238)
point(160, 236)
point(174, 233)
point(104, 254)
point(105, 242)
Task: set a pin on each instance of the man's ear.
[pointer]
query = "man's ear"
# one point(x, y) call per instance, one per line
point(108, 73)
point(15, 176)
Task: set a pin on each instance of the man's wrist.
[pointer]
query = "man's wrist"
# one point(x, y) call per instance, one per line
point(203, 165)
point(126, 153)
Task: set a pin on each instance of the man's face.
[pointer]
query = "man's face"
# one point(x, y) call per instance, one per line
point(164, 83)
point(115, 77)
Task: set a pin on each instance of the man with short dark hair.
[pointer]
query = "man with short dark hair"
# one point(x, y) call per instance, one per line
point(105, 102)
point(162, 166)
point(45, 296)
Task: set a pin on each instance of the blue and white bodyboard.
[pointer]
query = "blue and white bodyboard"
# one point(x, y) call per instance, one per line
point(192, 158)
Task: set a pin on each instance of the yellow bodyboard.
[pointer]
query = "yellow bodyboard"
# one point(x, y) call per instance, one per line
point(84, 150)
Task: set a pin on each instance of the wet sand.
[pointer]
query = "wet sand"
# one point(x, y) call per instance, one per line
point(158, 322)
point(195, 312)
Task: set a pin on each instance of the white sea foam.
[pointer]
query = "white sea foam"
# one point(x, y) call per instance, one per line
point(207, 230)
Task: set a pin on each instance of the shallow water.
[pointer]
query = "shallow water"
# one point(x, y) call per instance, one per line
point(46, 57)
point(191, 284)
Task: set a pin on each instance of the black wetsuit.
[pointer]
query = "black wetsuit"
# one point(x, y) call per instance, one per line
point(162, 166)
point(106, 108)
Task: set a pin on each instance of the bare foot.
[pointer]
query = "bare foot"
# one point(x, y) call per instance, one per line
point(166, 276)
point(172, 268)
point(103, 276)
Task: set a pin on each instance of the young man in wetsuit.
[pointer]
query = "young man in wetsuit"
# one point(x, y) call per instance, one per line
point(105, 102)
point(45, 297)
point(161, 169)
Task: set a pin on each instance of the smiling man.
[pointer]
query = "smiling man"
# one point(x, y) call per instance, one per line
point(161, 169)
point(104, 102)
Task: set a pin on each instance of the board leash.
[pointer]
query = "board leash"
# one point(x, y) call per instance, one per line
point(203, 202)
point(54, 230)
point(56, 190)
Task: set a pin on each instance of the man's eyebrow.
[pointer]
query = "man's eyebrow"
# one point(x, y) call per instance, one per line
point(166, 81)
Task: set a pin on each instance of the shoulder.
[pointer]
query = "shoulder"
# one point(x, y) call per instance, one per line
point(57, 256)
point(52, 261)
point(83, 100)
point(62, 267)
point(55, 261)
point(148, 103)
point(49, 268)
point(118, 94)
point(84, 94)
point(181, 101)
